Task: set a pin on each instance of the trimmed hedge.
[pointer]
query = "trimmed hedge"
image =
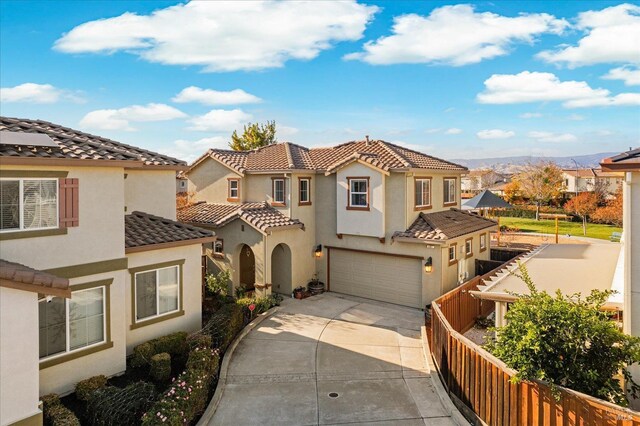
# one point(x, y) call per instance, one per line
point(112, 406)
point(262, 304)
point(160, 370)
point(174, 344)
point(85, 388)
point(529, 212)
point(224, 325)
point(56, 414)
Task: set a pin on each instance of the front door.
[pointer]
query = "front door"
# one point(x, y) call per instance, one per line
point(247, 267)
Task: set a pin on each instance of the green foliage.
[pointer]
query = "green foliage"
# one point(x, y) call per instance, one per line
point(262, 304)
point(255, 135)
point(174, 344)
point(85, 388)
point(56, 414)
point(160, 369)
point(200, 340)
point(218, 285)
point(565, 228)
point(241, 292)
point(567, 341)
point(112, 406)
point(224, 325)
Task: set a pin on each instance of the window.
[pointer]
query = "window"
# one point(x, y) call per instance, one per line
point(157, 292)
point(423, 193)
point(234, 190)
point(28, 204)
point(304, 187)
point(278, 192)
point(452, 254)
point(449, 191)
point(483, 242)
point(68, 325)
point(218, 248)
point(358, 194)
point(468, 247)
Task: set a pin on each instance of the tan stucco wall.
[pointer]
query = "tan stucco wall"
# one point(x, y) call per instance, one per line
point(303, 263)
point(208, 182)
point(437, 193)
point(18, 355)
point(61, 378)
point(191, 293)
point(151, 191)
point(631, 241)
point(357, 222)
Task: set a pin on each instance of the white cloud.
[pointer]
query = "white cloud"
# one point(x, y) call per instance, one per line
point(215, 97)
point(542, 87)
point(120, 119)
point(531, 115)
point(495, 134)
point(220, 120)
point(612, 35)
point(191, 150)
point(453, 131)
point(433, 130)
point(630, 76)
point(286, 131)
point(455, 35)
point(450, 109)
point(575, 117)
point(35, 93)
point(552, 137)
point(225, 35)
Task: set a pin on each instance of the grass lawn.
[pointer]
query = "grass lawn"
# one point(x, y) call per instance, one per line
point(594, 230)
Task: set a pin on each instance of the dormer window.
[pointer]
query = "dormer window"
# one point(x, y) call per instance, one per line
point(449, 193)
point(278, 192)
point(358, 193)
point(233, 193)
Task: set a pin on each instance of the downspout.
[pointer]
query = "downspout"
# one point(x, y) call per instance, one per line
point(267, 265)
point(627, 232)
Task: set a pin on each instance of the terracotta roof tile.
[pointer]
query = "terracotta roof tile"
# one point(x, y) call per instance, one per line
point(444, 225)
point(260, 215)
point(142, 229)
point(14, 274)
point(74, 144)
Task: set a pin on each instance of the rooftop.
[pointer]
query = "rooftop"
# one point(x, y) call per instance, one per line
point(21, 277)
point(626, 161)
point(443, 225)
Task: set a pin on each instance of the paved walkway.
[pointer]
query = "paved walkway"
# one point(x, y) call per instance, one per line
point(332, 359)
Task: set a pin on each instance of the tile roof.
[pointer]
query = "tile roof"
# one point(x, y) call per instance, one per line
point(74, 144)
point(260, 215)
point(626, 161)
point(582, 173)
point(288, 156)
point(15, 275)
point(444, 225)
point(142, 230)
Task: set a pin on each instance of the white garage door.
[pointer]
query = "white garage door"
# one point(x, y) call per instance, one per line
point(386, 278)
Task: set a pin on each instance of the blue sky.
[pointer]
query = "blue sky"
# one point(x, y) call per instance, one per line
point(456, 80)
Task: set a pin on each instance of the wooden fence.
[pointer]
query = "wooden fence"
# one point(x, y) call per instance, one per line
point(480, 385)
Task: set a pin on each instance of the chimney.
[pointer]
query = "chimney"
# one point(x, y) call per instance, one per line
point(366, 138)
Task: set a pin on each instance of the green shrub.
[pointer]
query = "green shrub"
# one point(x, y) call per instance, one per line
point(241, 291)
point(199, 340)
point(160, 369)
point(112, 406)
point(218, 285)
point(85, 388)
point(56, 414)
point(174, 344)
point(262, 304)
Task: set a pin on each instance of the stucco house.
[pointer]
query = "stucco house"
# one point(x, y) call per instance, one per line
point(474, 181)
point(94, 261)
point(590, 180)
point(369, 218)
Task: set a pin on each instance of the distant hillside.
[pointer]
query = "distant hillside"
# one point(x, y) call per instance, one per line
point(512, 164)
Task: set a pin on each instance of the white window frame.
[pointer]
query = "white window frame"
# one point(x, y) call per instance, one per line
point(452, 249)
point(67, 328)
point(231, 188)
point(284, 192)
point(135, 295)
point(421, 182)
point(483, 242)
point(352, 192)
point(21, 204)
point(468, 247)
point(448, 182)
point(306, 191)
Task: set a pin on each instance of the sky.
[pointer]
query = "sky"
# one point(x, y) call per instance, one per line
point(454, 80)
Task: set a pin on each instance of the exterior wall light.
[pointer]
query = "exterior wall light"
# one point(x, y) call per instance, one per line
point(428, 265)
point(318, 252)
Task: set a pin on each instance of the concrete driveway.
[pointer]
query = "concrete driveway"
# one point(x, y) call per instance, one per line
point(331, 359)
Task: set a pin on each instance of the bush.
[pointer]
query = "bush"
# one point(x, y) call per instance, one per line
point(200, 340)
point(112, 406)
point(224, 325)
point(262, 304)
point(218, 285)
point(56, 414)
point(174, 344)
point(85, 388)
point(160, 369)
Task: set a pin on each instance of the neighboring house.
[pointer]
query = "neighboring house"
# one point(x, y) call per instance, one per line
point(181, 183)
point(478, 180)
point(370, 218)
point(94, 262)
point(628, 163)
point(590, 180)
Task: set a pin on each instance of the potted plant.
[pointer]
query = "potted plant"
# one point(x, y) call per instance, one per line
point(315, 286)
point(298, 292)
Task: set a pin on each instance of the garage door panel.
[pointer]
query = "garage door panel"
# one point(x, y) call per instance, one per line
point(386, 278)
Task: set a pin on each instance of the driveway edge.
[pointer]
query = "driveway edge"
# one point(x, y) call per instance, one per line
point(449, 406)
point(222, 380)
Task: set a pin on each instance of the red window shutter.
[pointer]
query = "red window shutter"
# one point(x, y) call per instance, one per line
point(68, 203)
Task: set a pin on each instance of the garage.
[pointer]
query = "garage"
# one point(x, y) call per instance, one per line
point(388, 278)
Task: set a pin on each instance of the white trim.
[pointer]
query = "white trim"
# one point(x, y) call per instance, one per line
point(284, 195)
point(422, 181)
point(21, 227)
point(446, 182)
point(135, 294)
point(308, 181)
point(352, 192)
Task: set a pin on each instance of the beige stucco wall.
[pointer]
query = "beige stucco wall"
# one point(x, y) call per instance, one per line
point(358, 222)
point(18, 355)
point(437, 193)
point(191, 294)
point(631, 241)
point(208, 182)
point(151, 191)
point(61, 378)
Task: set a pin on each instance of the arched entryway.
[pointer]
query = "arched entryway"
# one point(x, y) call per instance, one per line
point(281, 269)
point(247, 267)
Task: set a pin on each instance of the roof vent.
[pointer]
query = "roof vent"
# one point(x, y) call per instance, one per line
point(366, 138)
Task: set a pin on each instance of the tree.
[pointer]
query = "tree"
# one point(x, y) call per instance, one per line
point(541, 182)
point(567, 341)
point(512, 191)
point(582, 205)
point(255, 135)
point(612, 212)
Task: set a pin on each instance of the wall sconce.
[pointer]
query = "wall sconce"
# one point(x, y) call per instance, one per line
point(428, 265)
point(318, 251)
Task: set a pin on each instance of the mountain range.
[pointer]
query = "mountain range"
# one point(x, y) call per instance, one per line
point(512, 164)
